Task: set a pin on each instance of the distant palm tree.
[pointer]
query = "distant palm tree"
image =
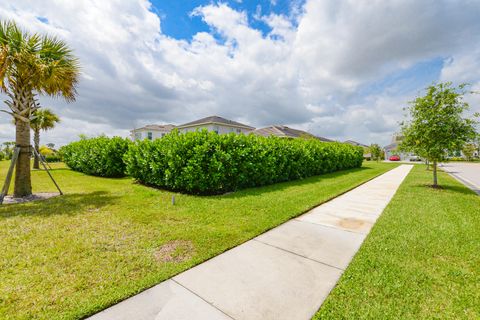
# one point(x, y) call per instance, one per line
point(29, 64)
point(43, 119)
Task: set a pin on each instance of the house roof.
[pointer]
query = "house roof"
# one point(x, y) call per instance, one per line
point(287, 132)
point(355, 143)
point(216, 120)
point(156, 127)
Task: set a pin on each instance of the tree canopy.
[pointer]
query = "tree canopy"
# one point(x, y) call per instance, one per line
point(438, 125)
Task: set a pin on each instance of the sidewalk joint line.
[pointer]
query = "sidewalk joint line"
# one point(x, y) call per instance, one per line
point(194, 293)
point(297, 254)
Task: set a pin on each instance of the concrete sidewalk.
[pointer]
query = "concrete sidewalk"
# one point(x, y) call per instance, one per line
point(285, 273)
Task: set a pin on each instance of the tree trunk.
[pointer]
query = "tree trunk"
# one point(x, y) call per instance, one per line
point(23, 185)
point(435, 184)
point(36, 141)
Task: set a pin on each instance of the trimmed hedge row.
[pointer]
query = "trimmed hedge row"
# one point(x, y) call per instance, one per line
point(208, 163)
point(99, 156)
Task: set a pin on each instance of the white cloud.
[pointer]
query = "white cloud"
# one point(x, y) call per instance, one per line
point(308, 71)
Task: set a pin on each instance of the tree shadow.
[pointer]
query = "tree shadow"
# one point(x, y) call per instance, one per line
point(70, 204)
point(459, 189)
point(446, 187)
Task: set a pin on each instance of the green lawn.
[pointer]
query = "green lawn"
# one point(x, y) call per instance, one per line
point(107, 239)
point(421, 259)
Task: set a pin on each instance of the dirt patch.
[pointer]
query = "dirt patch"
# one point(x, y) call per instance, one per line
point(174, 251)
point(33, 197)
point(351, 223)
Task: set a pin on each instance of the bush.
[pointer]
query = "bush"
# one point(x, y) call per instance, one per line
point(208, 163)
point(99, 156)
point(462, 159)
point(55, 157)
point(46, 151)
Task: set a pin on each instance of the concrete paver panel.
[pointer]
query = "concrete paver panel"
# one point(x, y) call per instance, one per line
point(167, 300)
point(258, 281)
point(331, 246)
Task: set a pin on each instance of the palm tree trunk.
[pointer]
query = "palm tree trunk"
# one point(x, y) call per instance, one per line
point(36, 141)
point(23, 185)
point(435, 183)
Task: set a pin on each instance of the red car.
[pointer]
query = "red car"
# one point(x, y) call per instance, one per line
point(394, 158)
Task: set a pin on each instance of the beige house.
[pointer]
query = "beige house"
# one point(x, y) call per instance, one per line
point(151, 131)
point(217, 124)
point(393, 149)
point(221, 126)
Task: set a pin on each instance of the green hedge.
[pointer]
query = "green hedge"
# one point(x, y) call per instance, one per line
point(208, 163)
point(53, 158)
point(99, 156)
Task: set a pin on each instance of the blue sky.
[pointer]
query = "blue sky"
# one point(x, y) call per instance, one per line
point(339, 69)
point(178, 23)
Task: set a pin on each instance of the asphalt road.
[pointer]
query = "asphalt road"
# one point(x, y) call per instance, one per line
point(467, 173)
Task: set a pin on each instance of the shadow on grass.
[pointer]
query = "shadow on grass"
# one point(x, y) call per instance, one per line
point(445, 187)
point(458, 189)
point(280, 186)
point(53, 169)
point(70, 204)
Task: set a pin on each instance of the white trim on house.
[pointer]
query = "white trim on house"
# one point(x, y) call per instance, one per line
point(150, 132)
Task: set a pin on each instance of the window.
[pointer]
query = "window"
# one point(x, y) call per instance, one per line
point(149, 136)
point(239, 131)
point(138, 135)
point(215, 129)
point(163, 135)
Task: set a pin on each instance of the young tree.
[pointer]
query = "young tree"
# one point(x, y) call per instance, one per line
point(375, 151)
point(437, 125)
point(8, 149)
point(469, 150)
point(29, 64)
point(43, 119)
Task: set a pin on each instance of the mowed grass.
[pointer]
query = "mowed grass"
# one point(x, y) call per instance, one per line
point(421, 259)
point(107, 239)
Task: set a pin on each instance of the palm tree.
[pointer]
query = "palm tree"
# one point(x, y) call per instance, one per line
point(43, 119)
point(30, 64)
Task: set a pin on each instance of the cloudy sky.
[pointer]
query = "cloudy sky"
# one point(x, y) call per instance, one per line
point(339, 69)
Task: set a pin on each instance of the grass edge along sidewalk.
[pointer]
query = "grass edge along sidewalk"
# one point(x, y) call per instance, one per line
point(105, 240)
point(420, 260)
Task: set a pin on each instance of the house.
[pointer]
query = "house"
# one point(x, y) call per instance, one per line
point(151, 131)
point(355, 143)
point(392, 149)
point(217, 124)
point(366, 155)
point(286, 132)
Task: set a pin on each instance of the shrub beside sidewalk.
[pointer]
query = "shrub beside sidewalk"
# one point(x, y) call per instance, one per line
point(208, 163)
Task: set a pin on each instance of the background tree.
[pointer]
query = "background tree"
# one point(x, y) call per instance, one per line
point(469, 150)
point(43, 119)
point(437, 125)
point(8, 149)
point(375, 151)
point(30, 64)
